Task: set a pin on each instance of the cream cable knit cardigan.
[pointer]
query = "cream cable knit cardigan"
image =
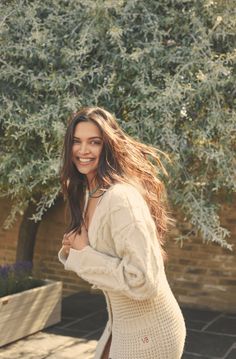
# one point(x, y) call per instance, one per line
point(123, 259)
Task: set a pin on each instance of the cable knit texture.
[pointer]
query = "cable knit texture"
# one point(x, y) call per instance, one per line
point(123, 259)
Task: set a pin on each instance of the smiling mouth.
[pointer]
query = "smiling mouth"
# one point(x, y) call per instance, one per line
point(85, 160)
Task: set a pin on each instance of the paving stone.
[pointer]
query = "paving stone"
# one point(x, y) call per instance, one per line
point(225, 325)
point(64, 321)
point(232, 354)
point(199, 314)
point(83, 349)
point(76, 332)
point(194, 324)
point(192, 356)
point(230, 315)
point(212, 345)
point(38, 346)
point(95, 335)
point(45, 346)
point(66, 332)
point(81, 304)
point(91, 323)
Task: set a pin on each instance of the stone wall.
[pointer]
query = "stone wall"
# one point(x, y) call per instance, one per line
point(201, 275)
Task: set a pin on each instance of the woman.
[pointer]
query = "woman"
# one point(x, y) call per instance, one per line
point(118, 221)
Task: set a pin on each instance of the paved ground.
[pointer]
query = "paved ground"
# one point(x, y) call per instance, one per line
point(210, 335)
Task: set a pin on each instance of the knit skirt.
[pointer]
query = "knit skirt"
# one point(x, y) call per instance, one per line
point(145, 329)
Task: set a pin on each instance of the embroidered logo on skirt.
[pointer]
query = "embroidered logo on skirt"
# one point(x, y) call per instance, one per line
point(145, 341)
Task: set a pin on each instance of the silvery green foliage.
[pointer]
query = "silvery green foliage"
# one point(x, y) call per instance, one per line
point(165, 68)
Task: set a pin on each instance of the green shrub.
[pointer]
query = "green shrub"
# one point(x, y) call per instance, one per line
point(165, 68)
point(15, 278)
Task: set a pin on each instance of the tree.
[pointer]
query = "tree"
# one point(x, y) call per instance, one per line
point(165, 68)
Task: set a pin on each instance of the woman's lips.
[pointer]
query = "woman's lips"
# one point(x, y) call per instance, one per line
point(85, 161)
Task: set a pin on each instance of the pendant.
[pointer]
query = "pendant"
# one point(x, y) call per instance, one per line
point(94, 191)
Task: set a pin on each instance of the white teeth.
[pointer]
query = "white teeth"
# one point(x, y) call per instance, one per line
point(85, 160)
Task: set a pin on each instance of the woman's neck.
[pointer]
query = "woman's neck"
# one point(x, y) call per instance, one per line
point(92, 184)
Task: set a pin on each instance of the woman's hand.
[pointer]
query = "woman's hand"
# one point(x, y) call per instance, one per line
point(80, 240)
point(65, 246)
point(75, 240)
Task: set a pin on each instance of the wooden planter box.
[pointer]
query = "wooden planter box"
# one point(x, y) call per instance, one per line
point(27, 312)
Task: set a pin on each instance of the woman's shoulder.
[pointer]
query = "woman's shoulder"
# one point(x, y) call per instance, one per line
point(125, 193)
point(127, 200)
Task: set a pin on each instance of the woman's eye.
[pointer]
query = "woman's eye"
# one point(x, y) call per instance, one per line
point(95, 142)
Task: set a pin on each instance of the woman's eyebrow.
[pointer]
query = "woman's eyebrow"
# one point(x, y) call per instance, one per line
point(90, 138)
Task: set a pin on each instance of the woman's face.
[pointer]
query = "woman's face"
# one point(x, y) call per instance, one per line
point(87, 148)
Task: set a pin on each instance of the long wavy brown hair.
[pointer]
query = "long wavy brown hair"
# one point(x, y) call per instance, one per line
point(123, 159)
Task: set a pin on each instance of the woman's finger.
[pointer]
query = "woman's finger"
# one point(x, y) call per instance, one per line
point(66, 244)
point(66, 249)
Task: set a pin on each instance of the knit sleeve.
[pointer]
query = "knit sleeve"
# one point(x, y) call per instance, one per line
point(135, 269)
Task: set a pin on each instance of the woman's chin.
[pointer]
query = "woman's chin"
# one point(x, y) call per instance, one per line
point(86, 171)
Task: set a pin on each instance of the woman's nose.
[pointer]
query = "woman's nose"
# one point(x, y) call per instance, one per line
point(83, 148)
